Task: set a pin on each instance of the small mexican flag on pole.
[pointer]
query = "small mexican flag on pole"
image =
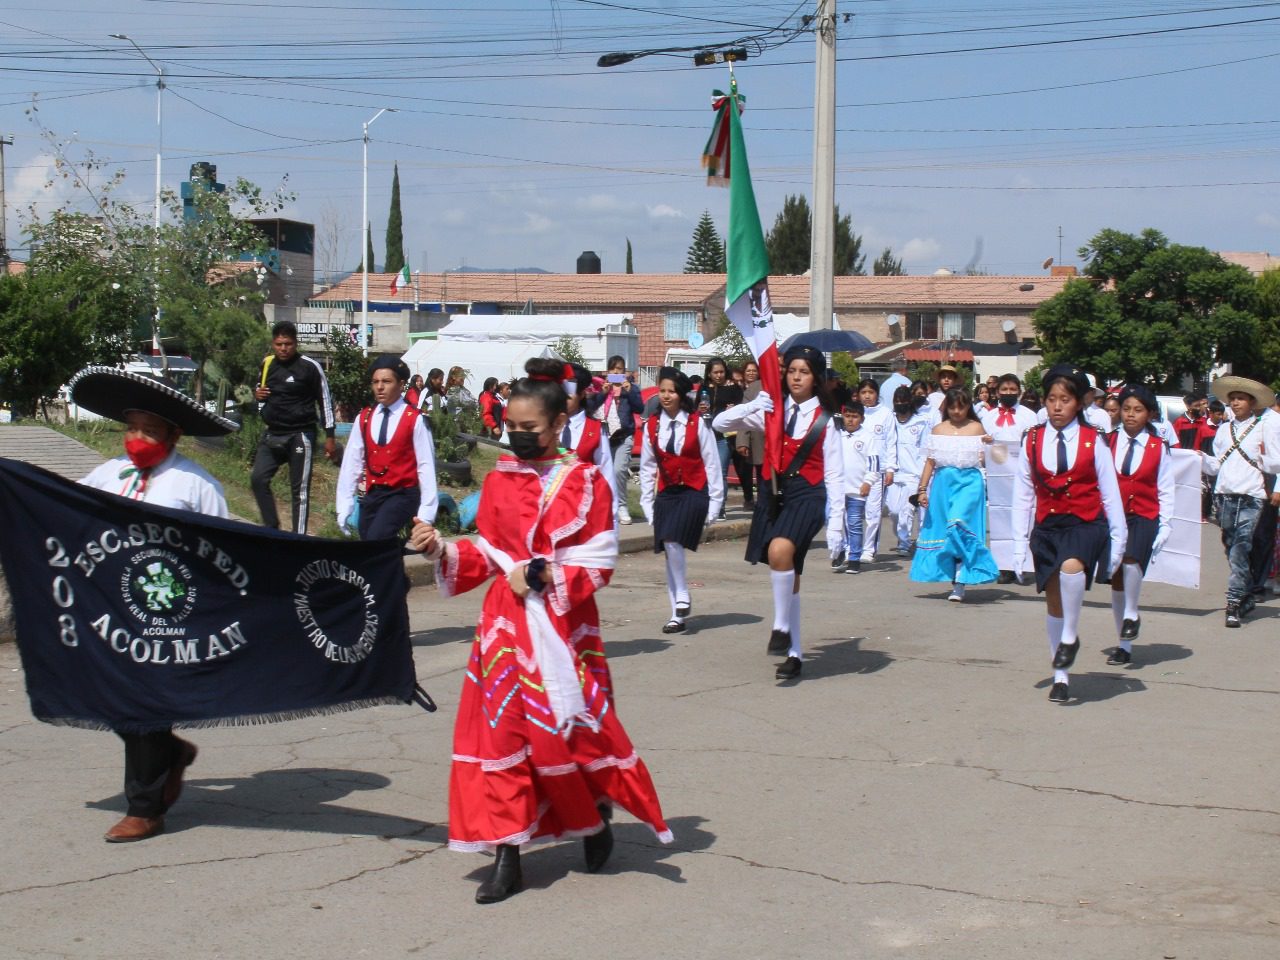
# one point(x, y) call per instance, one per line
point(400, 279)
point(747, 285)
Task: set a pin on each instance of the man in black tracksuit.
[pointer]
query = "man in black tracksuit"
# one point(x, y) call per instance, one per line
point(291, 388)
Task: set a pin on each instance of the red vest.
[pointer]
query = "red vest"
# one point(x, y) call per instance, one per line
point(684, 467)
point(1140, 491)
point(813, 470)
point(589, 441)
point(394, 464)
point(1075, 492)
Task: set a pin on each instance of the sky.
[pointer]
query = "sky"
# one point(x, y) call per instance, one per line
point(973, 134)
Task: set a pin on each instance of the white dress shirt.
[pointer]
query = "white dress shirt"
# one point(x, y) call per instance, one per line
point(353, 461)
point(878, 421)
point(1098, 418)
point(749, 416)
point(175, 482)
point(649, 461)
point(1024, 491)
point(1235, 474)
point(860, 460)
point(1023, 420)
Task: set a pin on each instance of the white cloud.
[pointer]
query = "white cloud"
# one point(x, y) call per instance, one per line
point(453, 217)
point(533, 223)
point(1267, 220)
point(664, 210)
point(602, 203)
point(919, 250)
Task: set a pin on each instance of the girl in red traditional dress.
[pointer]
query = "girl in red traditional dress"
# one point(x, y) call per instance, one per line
point(809, 491)
point(1145, 475)
point(582, 433)
point(681, 486)
point(1068, 475)
point(538, 749)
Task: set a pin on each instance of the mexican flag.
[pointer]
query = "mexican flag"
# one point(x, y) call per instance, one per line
point(747, 261)
point(400, 279)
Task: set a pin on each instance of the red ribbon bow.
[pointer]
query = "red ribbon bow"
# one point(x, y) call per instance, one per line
point(1005, 418)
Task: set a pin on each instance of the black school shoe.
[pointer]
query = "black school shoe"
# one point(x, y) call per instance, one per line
point(789, 669)
point(1058, 693)
point(1065, 655)
point(779, 641)
point(1119, 657)
point(853, 566)
point(837, 565)
point(1129, 629)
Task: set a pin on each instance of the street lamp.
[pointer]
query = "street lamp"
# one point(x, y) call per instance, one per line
point(364, 235)
point(156, 345)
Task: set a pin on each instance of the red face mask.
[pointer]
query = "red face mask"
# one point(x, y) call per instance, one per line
point(144, 454)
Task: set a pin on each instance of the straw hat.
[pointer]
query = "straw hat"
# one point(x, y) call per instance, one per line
point(1262, 395)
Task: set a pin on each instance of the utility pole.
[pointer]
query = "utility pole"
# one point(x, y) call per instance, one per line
point(4, 210)
point(823, 241)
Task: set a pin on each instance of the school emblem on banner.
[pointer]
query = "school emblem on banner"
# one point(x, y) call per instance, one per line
point(135, 618)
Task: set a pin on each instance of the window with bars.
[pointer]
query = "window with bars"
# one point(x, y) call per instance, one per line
point(942, 326)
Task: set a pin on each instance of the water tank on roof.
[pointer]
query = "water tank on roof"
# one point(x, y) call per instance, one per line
point(588, 262)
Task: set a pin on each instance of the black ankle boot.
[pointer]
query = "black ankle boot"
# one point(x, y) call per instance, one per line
point(505, 879)
point(598, 846)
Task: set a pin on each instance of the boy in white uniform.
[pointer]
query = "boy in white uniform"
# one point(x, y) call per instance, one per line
point(904, 462)
point(1005, 422)
point(860, 455)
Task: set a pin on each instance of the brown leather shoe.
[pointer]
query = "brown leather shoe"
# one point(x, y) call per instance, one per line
point(131, 829)
point(173, 784)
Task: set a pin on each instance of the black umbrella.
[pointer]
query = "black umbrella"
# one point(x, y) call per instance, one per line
point(828, 341)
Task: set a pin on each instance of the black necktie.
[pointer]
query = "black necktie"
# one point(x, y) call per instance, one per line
point(791, 421)
point(671, 438)
point(382, 429)
point(1127, 467)
point(565, 436)
point(1062, 453)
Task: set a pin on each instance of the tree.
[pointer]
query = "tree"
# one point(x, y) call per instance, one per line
point(348, 373)
point(1268, 355)
point(844, 364)
point(368, 253)
point(331, 249)
point(630, 265)
point(790, 241)
point(1151, 311)
point(569, 350)
point(395, 228)
point(735, 349)
point(706, 252)
point(887, 265)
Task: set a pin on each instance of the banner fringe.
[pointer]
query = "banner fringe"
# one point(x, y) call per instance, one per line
point(241, 720)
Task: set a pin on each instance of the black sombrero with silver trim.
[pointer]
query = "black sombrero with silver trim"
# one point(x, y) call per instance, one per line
point(111, 393)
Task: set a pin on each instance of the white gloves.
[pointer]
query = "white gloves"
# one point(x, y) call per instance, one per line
point(1020, 561)
point(1162, 537)
point(762, 402)
point(347, 526)
point(835, 541)
point(1117, 557)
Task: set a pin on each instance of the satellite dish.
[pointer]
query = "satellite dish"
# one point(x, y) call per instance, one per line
point(1047, 264)
point(1008, 326)
point(893, 319)
point(696, 340)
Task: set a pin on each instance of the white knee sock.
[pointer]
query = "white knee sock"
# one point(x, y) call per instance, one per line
point(783, 582)
point(1053, 626)
point(795, 628)
point(1132, 588)
point(1071, 586)
point(677, 581)
point(1117, 609)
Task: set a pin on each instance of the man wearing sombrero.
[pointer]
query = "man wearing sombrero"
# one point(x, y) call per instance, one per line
point(155, 417)
point(1246, 452)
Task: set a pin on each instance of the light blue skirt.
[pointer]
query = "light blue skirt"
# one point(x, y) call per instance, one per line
point(953, 541)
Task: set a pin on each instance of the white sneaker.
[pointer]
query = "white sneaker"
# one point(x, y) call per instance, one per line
point(624, 517)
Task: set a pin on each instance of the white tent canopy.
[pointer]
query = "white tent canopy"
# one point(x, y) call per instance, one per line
point(480, 358)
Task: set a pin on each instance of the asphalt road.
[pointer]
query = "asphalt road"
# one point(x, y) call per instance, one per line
point(915, 795)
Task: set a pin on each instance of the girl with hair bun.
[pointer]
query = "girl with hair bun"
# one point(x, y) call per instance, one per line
point(1068, 476)
point(1145, 475)
point(538, 750)
point(810, 491)
point(681, 487)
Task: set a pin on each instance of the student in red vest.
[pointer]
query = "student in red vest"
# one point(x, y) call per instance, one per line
point(681, 486)
point(810, 490)
point(1068, 475)
point(391, 445)
point(1145, 476)
point(584, 434)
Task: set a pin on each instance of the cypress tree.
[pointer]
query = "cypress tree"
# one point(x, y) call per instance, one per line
point(395, 228)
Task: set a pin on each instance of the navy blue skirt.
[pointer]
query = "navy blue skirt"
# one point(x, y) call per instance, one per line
point(802, 515)
point(679, 515)
point(1142, 537)
point(1064, 537)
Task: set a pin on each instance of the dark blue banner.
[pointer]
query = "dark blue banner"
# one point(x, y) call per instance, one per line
point(137, 618)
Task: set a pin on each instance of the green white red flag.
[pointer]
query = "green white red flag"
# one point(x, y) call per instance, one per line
point(747, 261)
point(400, 279)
